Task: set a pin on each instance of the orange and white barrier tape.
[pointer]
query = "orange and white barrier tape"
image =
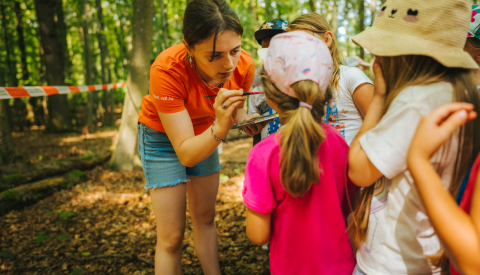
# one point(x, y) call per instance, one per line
point(30, 91)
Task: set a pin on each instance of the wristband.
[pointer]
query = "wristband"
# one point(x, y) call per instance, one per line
point(215, 137)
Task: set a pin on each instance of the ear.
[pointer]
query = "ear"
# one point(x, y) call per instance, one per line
point(328, 38)
point(478, 57)
point(189, 50)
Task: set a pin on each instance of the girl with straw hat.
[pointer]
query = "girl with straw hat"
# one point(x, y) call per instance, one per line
point(420, 65)
point(457, 223)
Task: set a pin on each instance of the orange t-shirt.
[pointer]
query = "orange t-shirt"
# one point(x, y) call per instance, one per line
point(175, 86)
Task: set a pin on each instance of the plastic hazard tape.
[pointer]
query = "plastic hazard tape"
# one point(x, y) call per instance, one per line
point(30, 91)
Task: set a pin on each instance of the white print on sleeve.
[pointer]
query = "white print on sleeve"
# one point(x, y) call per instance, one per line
point(163, 98)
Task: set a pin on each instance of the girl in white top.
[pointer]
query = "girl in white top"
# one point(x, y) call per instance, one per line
point(353, 90)
point(423, 70)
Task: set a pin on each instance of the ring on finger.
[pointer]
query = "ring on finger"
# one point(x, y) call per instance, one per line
point(224, 106)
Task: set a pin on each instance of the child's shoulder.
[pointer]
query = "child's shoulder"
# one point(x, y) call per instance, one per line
point(333, 136)
point(424, 92)
point(267, 144)
point(271, 144)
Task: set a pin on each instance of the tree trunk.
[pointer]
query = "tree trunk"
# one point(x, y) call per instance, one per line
point(18, 118)
point(33, 192)
point(21, 41)
point(361, 23)
point(126, 154)
point(105, 63)
point(58, 110)
point(10, 58)
point(164, 24)
point(62, 32)
point(253, 10)
point(335, 18)
point(268, 4)
point(61, 167)
point(373, 11)
point(312, 6)
point(158, 30)
point(7, 146)
point(88, 65)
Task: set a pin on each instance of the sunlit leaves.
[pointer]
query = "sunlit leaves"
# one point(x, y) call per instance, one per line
point(41, 237)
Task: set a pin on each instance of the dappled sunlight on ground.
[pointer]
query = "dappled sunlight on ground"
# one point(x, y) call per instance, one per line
point(106, 225)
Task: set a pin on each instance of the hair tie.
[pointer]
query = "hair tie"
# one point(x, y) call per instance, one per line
point(303, 104)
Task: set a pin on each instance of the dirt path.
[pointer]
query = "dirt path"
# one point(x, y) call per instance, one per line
point(106, 226)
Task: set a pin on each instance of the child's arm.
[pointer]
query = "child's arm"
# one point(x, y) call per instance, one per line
point(361, 170)
point(459, 232)
point(258, 227)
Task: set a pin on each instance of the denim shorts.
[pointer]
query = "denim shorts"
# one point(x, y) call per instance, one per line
point(161, 165)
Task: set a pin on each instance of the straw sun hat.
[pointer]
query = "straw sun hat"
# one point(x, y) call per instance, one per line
point(435, 28)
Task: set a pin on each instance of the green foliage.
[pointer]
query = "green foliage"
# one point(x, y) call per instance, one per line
point(224, 178)
point(67, 215)
point(85, 254)
point(11, 194)
point(7, 254)
point(41, 237)
point(77, 272)
point(63, 237)
point(76, 176)
point(11, 178)
point(118, 33)
point(87, 157)
point(47, 212)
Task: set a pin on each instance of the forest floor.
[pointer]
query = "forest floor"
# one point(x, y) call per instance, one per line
point(106, 225)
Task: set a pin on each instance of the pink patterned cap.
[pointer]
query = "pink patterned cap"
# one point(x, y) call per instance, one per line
point(296, 56)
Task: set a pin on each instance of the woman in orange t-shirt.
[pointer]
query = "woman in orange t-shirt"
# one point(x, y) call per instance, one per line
point(180, 129)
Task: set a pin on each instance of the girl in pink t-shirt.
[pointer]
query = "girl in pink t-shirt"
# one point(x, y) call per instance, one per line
point(295, 180)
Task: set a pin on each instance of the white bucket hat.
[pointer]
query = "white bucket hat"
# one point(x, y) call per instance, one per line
point(434, 28)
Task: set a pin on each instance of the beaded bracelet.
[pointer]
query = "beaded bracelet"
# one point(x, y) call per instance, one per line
point(215, 137)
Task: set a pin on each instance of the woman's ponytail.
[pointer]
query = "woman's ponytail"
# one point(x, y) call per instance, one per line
point(301, 133)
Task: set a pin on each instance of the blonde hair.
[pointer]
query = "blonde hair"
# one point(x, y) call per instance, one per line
point(301, 133)
point(316, 23)
point(473, 42)
point(401, 72)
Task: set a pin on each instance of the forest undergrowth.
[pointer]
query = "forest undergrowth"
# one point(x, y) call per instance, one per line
point(106, 225)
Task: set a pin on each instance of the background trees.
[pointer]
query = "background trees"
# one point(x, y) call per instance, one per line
point(79, 42)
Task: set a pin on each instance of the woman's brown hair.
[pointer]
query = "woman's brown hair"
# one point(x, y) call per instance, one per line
point(401, 72)
point(204, 18)
point(316, 23)
point(301, 133)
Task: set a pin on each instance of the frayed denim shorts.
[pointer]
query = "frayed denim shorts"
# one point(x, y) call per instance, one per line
point(161, 165)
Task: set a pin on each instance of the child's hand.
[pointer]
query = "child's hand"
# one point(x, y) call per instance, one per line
point(256, 128)
point(380, 86)
point(436, 128)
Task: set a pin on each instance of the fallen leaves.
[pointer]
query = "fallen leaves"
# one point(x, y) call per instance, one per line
point(107, 226)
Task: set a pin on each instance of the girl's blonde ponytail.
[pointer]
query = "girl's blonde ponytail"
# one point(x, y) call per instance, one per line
point(301, 133)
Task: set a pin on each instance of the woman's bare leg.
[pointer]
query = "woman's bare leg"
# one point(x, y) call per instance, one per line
point(169, 205)
point(202, 193)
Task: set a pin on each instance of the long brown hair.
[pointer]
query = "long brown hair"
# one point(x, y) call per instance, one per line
point(316, 23)
point(401, 72)
point(204, 18)
point(301, 133)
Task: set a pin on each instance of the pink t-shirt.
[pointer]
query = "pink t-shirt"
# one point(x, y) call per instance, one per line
point(308, 235)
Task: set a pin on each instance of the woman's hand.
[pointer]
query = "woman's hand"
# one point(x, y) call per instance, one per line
point(380, 86)
point(256, 128)
point(231, 99)
point(436, 128)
